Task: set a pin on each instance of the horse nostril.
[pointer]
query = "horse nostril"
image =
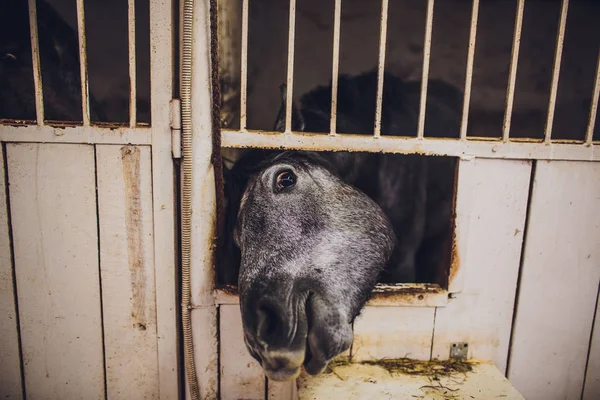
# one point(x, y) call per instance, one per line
point(267, 322)
point(275, 323)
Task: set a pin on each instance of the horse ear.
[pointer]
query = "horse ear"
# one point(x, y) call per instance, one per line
point(297, 119)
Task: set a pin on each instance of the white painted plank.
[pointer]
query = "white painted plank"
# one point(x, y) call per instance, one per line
point(367, 382)
point(463, 209)
point(493, 213)
point(127, 268)
point(241, 376)
point(282, 390)
point(400, 145)
point(202, 221)
point(559, 282)
point(74, 134)
point(591, 390)
point(203, 182)
point(393, 332)
point(10, 364)
point(205, 339)
point(162, 71)
point(53, 213)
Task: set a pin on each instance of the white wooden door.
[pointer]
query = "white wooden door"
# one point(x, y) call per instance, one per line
point(88, 273)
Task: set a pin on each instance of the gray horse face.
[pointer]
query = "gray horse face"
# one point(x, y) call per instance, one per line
point(311, 248)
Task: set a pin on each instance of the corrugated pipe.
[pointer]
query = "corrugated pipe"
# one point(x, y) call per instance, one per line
point(187, 170)
point(186, 195)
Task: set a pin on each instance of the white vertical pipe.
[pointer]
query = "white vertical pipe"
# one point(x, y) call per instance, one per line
point(35, 58)
point(132, 63)
point(85, 98)
point(425, 75)
point(381, 66)
point(469, 72)
point(556, 71)
point(290, 68)
point(512, 77)
point(335, 64)
point(244, 66)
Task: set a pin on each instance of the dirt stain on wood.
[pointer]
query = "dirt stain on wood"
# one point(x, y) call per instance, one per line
point(433, 369)
point(130, 156)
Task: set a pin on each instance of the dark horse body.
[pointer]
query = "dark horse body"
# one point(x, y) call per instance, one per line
point(314, 232)
point(59, 60)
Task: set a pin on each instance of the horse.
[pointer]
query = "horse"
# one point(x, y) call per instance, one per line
point(59, 62)
point(309, 234)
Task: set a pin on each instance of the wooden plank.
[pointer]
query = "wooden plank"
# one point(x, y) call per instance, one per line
point(162, 73)
point(203, 183)
point(591, 389)
point(494, 215)
point(205, 339)
point(475, 147)
point(463, 208)
point(358, 381)
point(282, 390)
point(74, 134)
point(10, 363)
point(202, 233)
point(241, 376)
point(393, 332)
point(53, 213)
point(127, 267)
point(559, 282)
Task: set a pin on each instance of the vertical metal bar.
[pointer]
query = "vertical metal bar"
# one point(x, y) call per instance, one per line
point(589, 135)
point(556, 72)
point(335, 64)
point(132, 64)
point(425, 75)
point(290, 68)
point(35, 58)
point(244, 66)
point(85, 98)
point(512, 77)
point(469, 73)
point(381, 66)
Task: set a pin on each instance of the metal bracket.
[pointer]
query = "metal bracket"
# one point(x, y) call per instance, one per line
point(176, 127)
point(459, 351)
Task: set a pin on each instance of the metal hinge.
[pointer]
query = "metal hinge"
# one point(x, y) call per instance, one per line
point(176, 128)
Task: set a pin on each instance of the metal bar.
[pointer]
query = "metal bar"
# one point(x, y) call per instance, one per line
point(290, 68)
point(556, 71)
point(132, 64)
point(589, 135)
point(425, 75)
point(35, 58)
point(335, 64)
point(244, 66)
point(469, 73)
point(472, 147)
point(512, 77)
point(381, 66)
point(85, 98)
point(76, 134)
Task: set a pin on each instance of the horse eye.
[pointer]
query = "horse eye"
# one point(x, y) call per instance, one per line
point(285, 179)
